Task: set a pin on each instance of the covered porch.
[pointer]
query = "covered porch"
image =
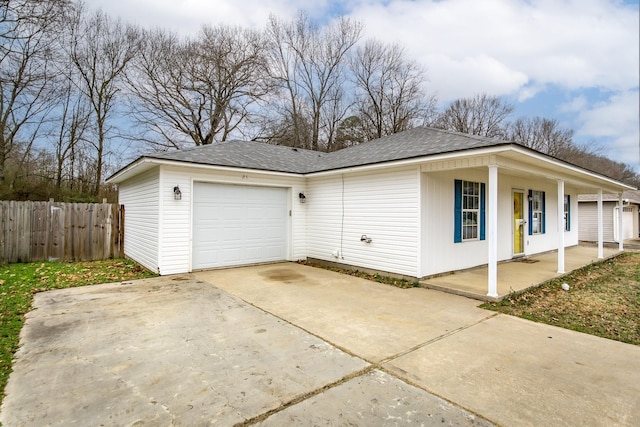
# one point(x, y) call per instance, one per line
point(517, 275)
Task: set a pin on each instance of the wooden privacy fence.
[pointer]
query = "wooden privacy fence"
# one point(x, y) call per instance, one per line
point(50, 231)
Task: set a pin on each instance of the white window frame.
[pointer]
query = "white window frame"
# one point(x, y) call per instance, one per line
point(470, 208)
point(567, 209)
point(537, 213)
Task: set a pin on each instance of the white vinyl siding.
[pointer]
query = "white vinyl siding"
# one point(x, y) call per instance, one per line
point(140, 197)
point(588, 220)
point(174, 256)
point(381, 204)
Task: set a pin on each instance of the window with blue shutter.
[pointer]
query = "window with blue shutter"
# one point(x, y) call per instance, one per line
point(469, 211)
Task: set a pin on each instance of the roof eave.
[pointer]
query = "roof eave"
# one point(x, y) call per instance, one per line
point(145, 163)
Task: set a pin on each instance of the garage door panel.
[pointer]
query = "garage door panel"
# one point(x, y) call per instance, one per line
point(236, 225)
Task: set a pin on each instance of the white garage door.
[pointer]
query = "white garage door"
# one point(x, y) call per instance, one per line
point(238, 224)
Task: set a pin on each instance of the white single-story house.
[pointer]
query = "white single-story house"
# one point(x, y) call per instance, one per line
point(588, 216)
point(417, 203)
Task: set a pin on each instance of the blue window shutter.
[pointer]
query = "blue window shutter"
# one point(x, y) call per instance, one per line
point(457, 212)
point(483, 197)
point(544, 214)
point(568, 212)
point(530, 212)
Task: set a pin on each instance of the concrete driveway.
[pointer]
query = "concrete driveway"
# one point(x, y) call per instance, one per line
point(179, 351)
point(508, 370)
point(287, 344)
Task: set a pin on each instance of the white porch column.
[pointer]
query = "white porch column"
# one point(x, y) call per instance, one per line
point(561, 220)
point(600, 226)
point(620, 225)
point(492, 232)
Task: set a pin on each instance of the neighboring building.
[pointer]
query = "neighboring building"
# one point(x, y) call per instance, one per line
point(588, 216)
point(417, 203)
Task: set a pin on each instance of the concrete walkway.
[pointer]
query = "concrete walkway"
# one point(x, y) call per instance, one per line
point(287, 344)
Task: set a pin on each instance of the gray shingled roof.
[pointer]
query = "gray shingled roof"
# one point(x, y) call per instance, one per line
point(246, 154)
point(417, 142)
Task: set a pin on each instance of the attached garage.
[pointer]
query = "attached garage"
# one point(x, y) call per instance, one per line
point(187, 211)
point(238, 224)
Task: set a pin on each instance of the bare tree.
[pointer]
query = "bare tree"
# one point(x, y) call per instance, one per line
point(101, 48)
point(71, 126)
point(482, 115)
point(541, 134)
point(309, 63)
point(390, 95)
point(27, 31)
point(199, 90)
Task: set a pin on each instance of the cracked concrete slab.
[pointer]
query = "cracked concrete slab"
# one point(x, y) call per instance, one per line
point(516, 372)
point(375, 398)
point(160, 351)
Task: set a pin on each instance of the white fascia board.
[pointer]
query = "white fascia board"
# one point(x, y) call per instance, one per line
point(144, 163)
point(606, 182)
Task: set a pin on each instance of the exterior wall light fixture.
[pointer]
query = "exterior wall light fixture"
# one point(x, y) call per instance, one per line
point(302, 197)
point(177, 194)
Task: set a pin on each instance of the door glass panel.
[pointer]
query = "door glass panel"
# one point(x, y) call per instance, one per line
point(518, 222)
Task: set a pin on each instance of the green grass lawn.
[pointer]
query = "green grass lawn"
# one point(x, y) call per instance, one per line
point(18, 283)
point(603, 300)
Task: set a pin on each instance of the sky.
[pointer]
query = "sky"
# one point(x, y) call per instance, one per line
point(573, 60)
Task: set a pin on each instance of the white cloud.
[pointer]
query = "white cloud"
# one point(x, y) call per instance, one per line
point(455, 77)
point(571, 43)
point(577, 104)
point(616, 122)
